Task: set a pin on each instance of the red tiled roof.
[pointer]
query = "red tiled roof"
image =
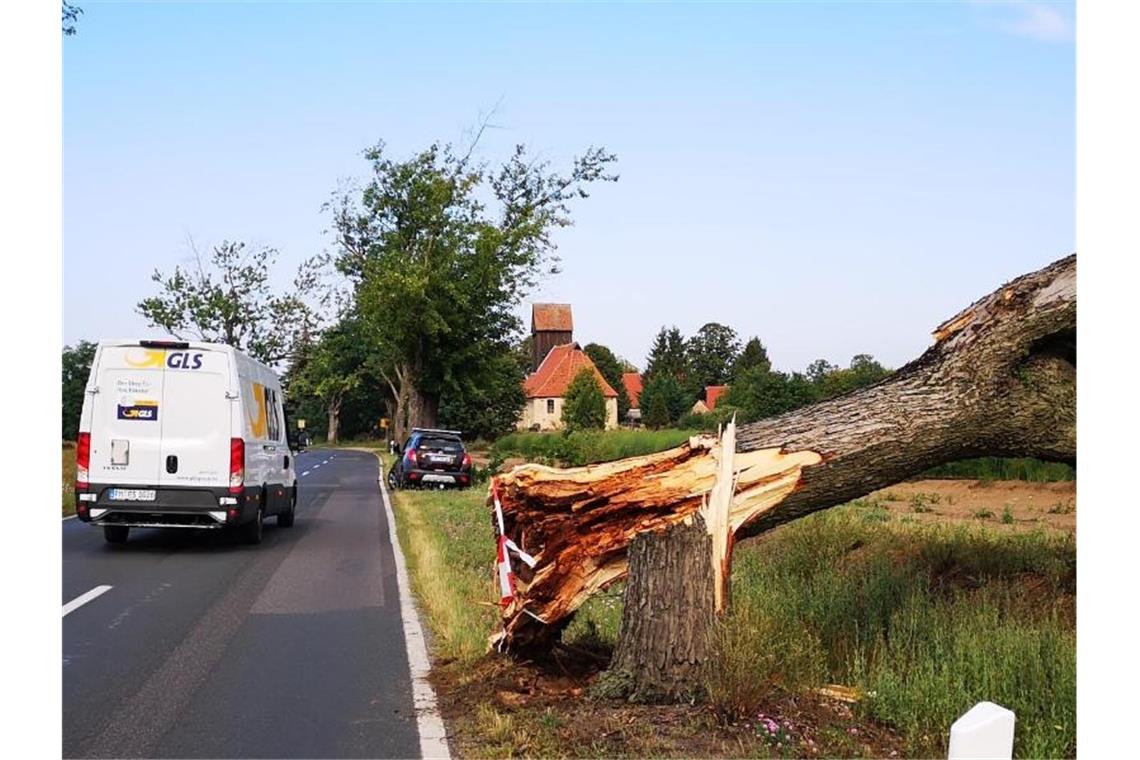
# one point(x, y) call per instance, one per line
point(632, 383)
point(551, 316)
point(712, 393)
point(553, 376)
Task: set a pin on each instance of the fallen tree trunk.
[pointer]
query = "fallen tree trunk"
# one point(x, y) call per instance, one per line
point(1000, 380)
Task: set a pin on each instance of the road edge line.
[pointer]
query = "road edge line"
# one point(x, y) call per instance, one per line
point(429, 723)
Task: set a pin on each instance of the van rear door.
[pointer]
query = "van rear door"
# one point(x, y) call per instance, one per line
point(196, 419)
point(126, 416)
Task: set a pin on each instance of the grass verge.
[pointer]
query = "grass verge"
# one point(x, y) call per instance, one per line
point(68, 468)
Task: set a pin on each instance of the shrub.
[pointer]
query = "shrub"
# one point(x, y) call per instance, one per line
point(584, 407)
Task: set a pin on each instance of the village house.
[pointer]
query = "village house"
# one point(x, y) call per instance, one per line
point(708, 403)
point(556, 360)
point(632, 383)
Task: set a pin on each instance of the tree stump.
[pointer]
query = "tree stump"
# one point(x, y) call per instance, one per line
point(669, 609)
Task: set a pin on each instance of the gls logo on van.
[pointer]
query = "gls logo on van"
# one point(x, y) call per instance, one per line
point(184, 360)
point(141, 410)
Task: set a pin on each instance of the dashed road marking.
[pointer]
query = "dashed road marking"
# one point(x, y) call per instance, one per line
point(303, 474)
point(83, 599)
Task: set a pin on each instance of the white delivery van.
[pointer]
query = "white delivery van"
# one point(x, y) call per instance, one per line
point(182, 435)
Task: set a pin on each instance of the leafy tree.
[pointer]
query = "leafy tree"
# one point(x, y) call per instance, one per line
point(760, 393)
point(76, 368)
point(611, 368)
point(672, 395)
point(439, 251)
point(832, 381)
point(584, 406)
point(229, 300)
point(667, 355)
point(753, 356)
point(332, 369)
point(712, 353)
point(819, 369)
point(486, 402)
point(657, 412)
point(71, 14)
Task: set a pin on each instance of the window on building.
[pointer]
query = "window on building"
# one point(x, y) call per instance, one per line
point(550, 406)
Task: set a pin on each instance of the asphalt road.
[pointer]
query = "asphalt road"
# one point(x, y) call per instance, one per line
point(205, 647)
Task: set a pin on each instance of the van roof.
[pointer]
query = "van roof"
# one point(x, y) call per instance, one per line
point(156, 343)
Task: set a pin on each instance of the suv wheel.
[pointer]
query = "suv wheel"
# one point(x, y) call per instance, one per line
point(116, 534)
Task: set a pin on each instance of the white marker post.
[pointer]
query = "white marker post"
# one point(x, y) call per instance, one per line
point(985, 732)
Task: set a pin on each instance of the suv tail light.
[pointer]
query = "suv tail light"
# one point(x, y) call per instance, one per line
point(82, 460)
point(412, 457)
point(466, 460)
point(237, 465)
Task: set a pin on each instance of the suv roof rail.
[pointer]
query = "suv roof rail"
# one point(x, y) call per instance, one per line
point(436, 430)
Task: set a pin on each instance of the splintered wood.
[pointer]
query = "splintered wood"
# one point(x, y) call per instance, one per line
point(578, 522)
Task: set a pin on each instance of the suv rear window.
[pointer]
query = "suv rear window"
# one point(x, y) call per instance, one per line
point(435, 443)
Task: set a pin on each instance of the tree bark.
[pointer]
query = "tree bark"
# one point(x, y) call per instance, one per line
point(1000, 380)
point(664, 641)
point(334, 421)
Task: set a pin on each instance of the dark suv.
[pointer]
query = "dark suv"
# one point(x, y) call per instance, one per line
point(432, 458)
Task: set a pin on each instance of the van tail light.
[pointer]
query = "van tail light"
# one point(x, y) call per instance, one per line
point(82, 461)
point(466, 460)
point(237, 465)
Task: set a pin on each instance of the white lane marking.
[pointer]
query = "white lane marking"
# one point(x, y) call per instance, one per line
point(325, 462)
point(83, 599)
point(316, 466)
point(433, 735)
point(303, 474)
point(69, 517)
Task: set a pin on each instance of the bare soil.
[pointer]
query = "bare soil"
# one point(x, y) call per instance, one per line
point(1030, 505)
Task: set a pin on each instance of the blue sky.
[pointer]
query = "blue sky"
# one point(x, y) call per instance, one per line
point(836, 178)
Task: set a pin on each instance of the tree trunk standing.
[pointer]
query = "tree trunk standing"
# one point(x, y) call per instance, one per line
point(668, 613)
point(334, 421)
point(1000, 380)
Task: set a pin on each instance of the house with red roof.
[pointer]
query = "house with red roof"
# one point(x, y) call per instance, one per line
point(545, 388)
point(633, 384)
point(708, 403)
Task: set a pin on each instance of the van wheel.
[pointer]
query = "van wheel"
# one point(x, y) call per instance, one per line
point(116, 534)
point(251, 531)
point(285, 519)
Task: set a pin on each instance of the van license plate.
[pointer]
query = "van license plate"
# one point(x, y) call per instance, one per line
point(131, 494)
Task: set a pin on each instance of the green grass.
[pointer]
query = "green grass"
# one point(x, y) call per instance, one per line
point(450, 548)
point(929, 618)
point(586, 447)
point(68, 478)
point(995, 468)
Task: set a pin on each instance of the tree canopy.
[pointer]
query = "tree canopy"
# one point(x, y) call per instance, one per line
point(712, 354)
point(440, 249)
point(76, 368)
point(228, 299)
point(611, 368)
point(584, 406)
